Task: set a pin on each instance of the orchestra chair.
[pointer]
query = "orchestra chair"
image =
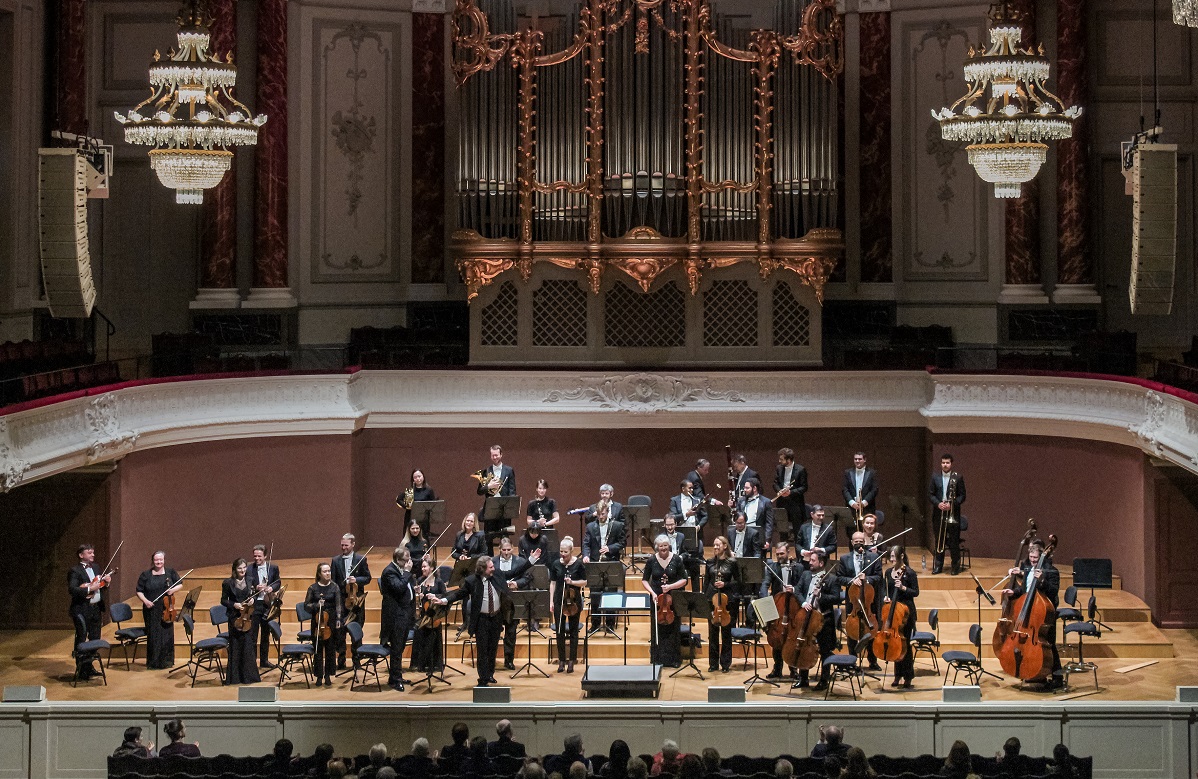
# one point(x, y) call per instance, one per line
point(1067, 612)
point(204, 652)
point(128, 637)
point(928, 642)
point(963, 554)
point(219, 615)
point(290, 655)
point(304, 635)
point(1080, 665)
point(847, 666)
point(87, 651)
point(366, 657)
point(749, 640)
point(961, 661)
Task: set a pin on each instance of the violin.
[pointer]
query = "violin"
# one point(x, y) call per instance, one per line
point(325, 628)
point(1022, 636)
point(245, 618)
point(890, 645)
point(355, 596)
point(170, 611)
point(720, 615)
point(665, 605)
point(571, 600)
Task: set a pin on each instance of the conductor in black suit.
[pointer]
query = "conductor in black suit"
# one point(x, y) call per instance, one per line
point(341, 565)
point(488, 600)
point(944, 482)
point(513, 573)
point(790, 489)
point(743, 537)
point(263, 577)
point(85, 585)
point(760, 514)
point(502, 484)
point(398, 611)
point(860, 480)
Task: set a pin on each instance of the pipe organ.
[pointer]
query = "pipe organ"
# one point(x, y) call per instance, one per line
point(654, 144)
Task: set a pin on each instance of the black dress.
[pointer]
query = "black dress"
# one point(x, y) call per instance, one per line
point(666, 648)
point(243, 662)
point(324, 663)
point(719, 637)
point(472, 545)
point(160, 638)
point(905, 668)
point(426, 643)
point(418, 494)
point(542, 510)
point(558, 573)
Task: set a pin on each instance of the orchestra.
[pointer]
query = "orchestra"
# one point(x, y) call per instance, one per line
point(804, 573)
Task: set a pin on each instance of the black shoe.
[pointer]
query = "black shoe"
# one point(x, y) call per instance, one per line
point(800, 685)
point(823, 685)
point(398, 687)
point(875, 667)
point(907, 685)
point(895, 682)
point(509, 666)
point(712, 668)
point(267, 666)
point(483, 682)
point(561, 667)
point(726, 669)
point(341, 664)
point(328, 682)
point(956, 571)
point(570, 667)
point(774, 674)
point(937, 569)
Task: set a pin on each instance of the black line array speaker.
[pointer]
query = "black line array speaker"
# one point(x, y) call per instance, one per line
point(1153, 183)
point(62, 215)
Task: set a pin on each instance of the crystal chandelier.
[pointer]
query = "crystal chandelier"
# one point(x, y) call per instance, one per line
point(1006, 113)
point(1185, 12)
point(191, 116)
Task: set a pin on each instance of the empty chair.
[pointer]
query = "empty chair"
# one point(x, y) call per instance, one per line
point(961, 661)
point(128, 637)
point(366, 657)
point(205, 653)
point(1080, 665)
point(928, 642)
point(303, 615)
point(847, 667)
point(219, 615)
point(88, 651)
point(291, 655)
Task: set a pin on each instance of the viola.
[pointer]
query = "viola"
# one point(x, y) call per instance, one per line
point(571, 600)
point(325, 627)
point(245, 618)
point(890, 644)
point(720, 615)
point(170, 610)
point(1022, 635)
point(860, 621)
point(665, 605)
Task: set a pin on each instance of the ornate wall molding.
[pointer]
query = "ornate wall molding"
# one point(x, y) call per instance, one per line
point(40, 442)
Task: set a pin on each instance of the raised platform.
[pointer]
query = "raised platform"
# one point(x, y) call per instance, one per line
point(621, 681)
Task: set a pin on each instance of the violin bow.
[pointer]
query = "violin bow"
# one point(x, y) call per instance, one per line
point(883, 543)
point(108, 567)
point(354, 567)
point(180, 581)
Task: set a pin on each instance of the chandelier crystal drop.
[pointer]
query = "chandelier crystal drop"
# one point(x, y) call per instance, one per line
point(1185, 12)
point(191, 117)
point(1007, 113)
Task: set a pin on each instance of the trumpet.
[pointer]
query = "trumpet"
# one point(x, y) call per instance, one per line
point(409, 497)
point(947, 517)
point(484, 477)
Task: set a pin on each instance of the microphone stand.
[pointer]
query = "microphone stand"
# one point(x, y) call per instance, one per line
point(981, 592)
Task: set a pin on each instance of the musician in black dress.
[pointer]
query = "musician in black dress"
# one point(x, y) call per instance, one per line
point(426, 640)
point(85, 583)
point(416, 542)
point(152, 587)
point(395, 584)
point(902, 585)
point(323, 599)
point(781, 575)
point(723, 576)
point(829, 595)
point(542, 510)
point(469, 542)
point(416, 492)
point(664, 572)
point(566, 574)
point(237, 596)
point(1048, 584)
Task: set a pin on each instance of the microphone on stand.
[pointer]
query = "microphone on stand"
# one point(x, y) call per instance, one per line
point(572, 512)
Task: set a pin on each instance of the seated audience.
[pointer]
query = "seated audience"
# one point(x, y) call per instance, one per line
point(831, 742)
point(637, 769)
point(378, 759)
point(279, 760)
point(532, 770)
point(505, 745)
point(418, 762)
point(957, 765)
point(453, 755)
point(572, 752)
point(783, 770)
point(1011, 762)
point(832, 767)
point(616, 766)
point(477, 763)
point(577, 770)
point(178, 748)
point(318, 764)
point(386, 772)
point(711, 763)
point(667, 760)
point(1062, 762)
point(691, 767)
point(132, 745)
point(856, 766)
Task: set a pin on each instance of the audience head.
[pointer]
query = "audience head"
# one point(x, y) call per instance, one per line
point(669, 749)
point(283, 749)
point(478, 747)
point(958, 755)
point(1060, 753)
point(1011, 748)
point(618, 755)
point(460, 733)
point(378, 755)
point(385, 772)
point(783, 769)
point(573, 744)
point(337, 769)
point(322, 754)
point(711, 759)
point(133, 735)
point(832, 766)
point(503, 728)
point(420, 747)
point(175, 730)
point(578, 770)
point(637, 769)
point(532, 770)
point(855, 764)
point(691, 768)
point(833, 735)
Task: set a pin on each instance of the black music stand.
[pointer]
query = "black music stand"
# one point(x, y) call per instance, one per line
point(188, 608)
point(722, 514)
point(981, 592)
point(908, 510)
point(499, 512)
point(538, 580)
point(439, 674)
point(841, 516)
point(752, 573)
point(461, 569)
point(692, 556)
point(423, 512)
point(600, 576)
point(633, 517)
point(688, 606)
point(1095, 573)
point(531, 604)
point(752, 606)
point(655, 528)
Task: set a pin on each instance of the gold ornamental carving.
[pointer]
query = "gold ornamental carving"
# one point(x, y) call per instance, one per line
point(644, 269)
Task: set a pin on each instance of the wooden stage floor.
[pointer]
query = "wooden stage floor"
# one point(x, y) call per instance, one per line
point(1166, 658)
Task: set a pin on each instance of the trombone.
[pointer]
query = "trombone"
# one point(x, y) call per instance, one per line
point(949, 516)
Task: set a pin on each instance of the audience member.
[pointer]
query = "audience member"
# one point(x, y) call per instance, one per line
point(418, 762)
point(477, 763)
point(637, 769)
point(132, 745)
point(386, 772)
point(572, 752)
point(178, 748)
point(667, 760)
point(505, 745)
point(532, 770)
point(957, 764)
point(831, 742)
point(1062, 762)
point(453, 755)
point(378, 759)
point(616, 766)
point(279, 760)
point(318, 764)
point(691, 767)
point(577, 770)
point(711, 763)
point(337, 769)
point(783, 769)
point(1011, 762)
point(855, 765)
point(832, 767)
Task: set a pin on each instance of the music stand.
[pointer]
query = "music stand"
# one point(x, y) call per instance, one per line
point(632, 516)
point(656, 527)
point(765, 611)
point(461, 569)
point(841, 516)
point(981, 592)
point(423, 512)
point(907, 508)
point(498, 513)
point(1095, 573)
point(535, 605)
point(721, 513)
point(188, 608)
point(439, 674)
point(688, 606)
point(538, 580)
point(752, 573)
point(600, 576)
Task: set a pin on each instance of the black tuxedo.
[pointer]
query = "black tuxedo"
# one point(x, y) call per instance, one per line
point(793, 504)
point(700, 516)
point(826, 537)
point(745, 475)
point(521, 574)
point(952, 532)
point(761, 518)
point(869, 488)
point(697, 488)
point(398, 612)
point(828, 598)
point(361, 573)
point(752, 543)
point(492, 527)
point(92, 613)
point(843, 573)
point(772, 585)
point(615, 538)
point(273, 580)
point(484, 627)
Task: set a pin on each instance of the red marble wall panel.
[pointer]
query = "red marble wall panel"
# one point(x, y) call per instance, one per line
point(218, 228)
point(1075, 264)
point(68, 111)
point(428, 148)
point(1022, 223)
point(270, 212)
point(877, 258)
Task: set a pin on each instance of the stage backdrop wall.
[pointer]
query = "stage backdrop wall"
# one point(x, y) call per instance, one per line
point(207, 503)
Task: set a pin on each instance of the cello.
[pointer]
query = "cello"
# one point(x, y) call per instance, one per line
point(1022, 637)
point(890, 645)
point(858, 596)
point(803, 652)
point(782, 633)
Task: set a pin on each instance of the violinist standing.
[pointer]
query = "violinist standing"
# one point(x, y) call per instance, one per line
point(664, 572)
point(902, 585)
point(945, 484)
point(847, 572)
point(395, 584)
point(782, 575)
point(1048, 584)
point(565, 572)
point(323, 599)
point(237, 596)
point(342, 564)
point(426, 643)
point(828, 597)
point(723, 576)
point(513, 573)
point(264, 578)
point(152, 586)
point(85, 584)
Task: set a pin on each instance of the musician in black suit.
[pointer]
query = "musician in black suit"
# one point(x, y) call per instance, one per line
point(790, 487)
point(514, 573)
point(695, 477)
point(470, 541)
point(398, 611)
point(1048, 584)
point(781, 575)
point(691, 559)
point(265, 580)
point(488, 600)
point(743, 474)
point(944, 482)
point(860, 480)
point(848, 570)
point(85, 585)
point(743, 538)
point(817, 532)
point(502, 484)
point(760, 513)
point(686, 507)
point(829, 596)
point(350, 566)
point(603, 542)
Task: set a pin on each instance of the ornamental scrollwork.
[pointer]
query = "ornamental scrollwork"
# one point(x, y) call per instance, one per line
point(643, 393)
point(102, 421)
point(12, 467)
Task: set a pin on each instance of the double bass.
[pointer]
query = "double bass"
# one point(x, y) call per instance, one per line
point(890, 644)
point(806, 643)
point(1022, 638)
point(783, 633)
